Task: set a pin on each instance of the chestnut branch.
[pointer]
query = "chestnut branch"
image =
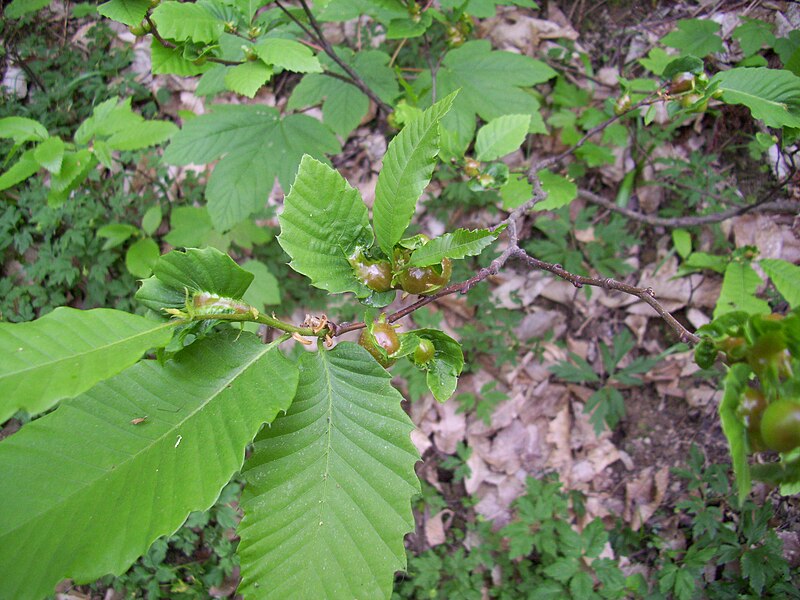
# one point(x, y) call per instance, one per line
point(514, 251)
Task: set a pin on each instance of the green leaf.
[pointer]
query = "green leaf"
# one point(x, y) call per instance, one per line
point(129, 12)
point(190, 226)
point(344, 105)
point(75, 167)
point(22, 129)
point(50, 153)
point(288, 54)
point(516, 191)
point(739, 286)
point(409, 27)
point(683, 64)
point(734, 429)
point(656, 60)
point(116, 234)
point(786, 47)
point(786, 278)
point(682, 240)
point(66, 352)
point(152, 219)
point(772, 95)
point(560, 190)
point(607, 407)
point(753, 35)
point(182, 21)
point(324, 221)
point(178, 274)
point(695, 36)
point(595, 155)
point(264, 290)
point(483, 9)
point(26, 166)
point(170, 61)
point(445, 367)
point(255, 145)
point(20, 8)
point(501, 136)
point(115, 122)
point(141, 256)
point(246, 79)
point(562, 569)
point(142, 134)
point(86, 473)
point(407, 169)
point(327, 500)
point(492, 84)
point(380, 10)
point(460, 243)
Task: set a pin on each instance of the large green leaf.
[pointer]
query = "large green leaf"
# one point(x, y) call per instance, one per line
point(50, 154)
point(697, 37)
point(247, 78)
point(786, 278)
point(483, 9)
point(255, 145)
point(19, 8)
point(329, 485)
point(168, 60)
point(492, 84)
point(288, 54)
point(323, 222)
point(407, 169)
point(187, 21)
point(772, 95)
point(560, 190)
point(501, 136)
point(732, 426)
point(115, 122)
point(22, 129)
point(26, 166)
point(86, 490)
point(129, 12)
point(739, 286)
point(181, 275)
point(68, 351)
point(345, 10)
point(343, 104)
point(458, 244)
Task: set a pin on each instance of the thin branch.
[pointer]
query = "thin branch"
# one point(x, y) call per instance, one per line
point(646, 295)
point(513, 251)
point(763, 203)
point(298, 22)
point(356, 78)
point(548, 162)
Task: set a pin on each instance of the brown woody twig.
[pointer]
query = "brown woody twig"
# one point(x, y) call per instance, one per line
point(316, 33)
point(763, 203)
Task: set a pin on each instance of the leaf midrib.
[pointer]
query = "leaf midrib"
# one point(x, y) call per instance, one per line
point(145, 449)
point(391, 217)
point(6, 376)
point(781, 105)
point(328, 435)
point(450, 251)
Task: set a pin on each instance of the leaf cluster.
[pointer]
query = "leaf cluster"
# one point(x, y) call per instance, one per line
point(607, 404)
